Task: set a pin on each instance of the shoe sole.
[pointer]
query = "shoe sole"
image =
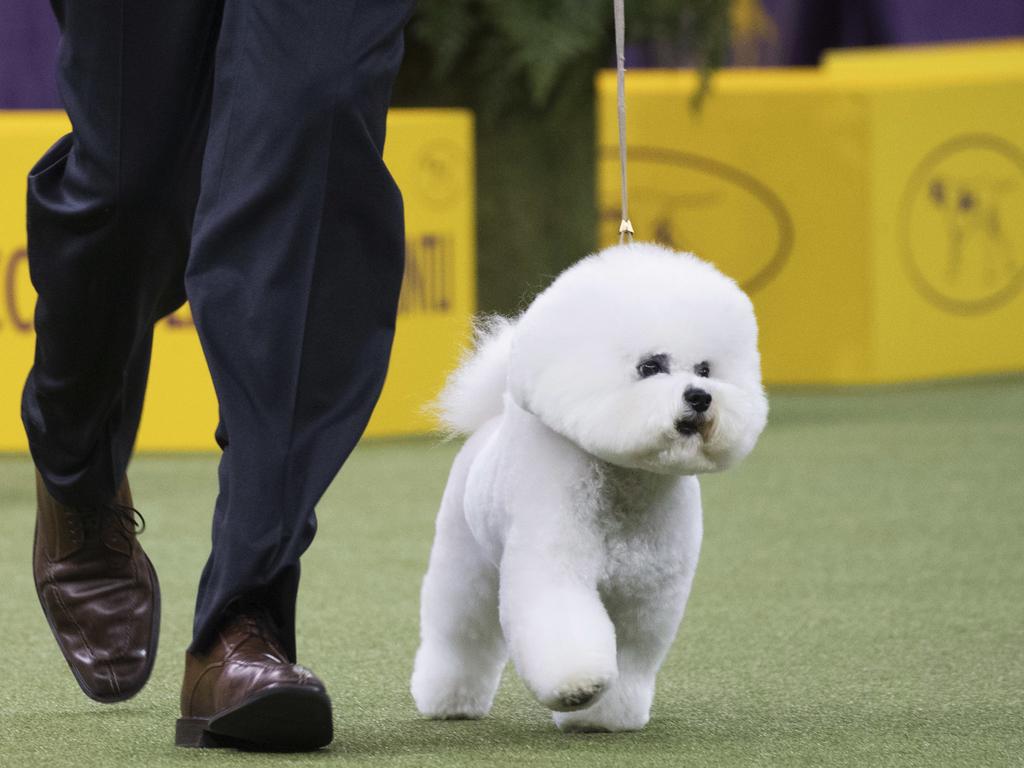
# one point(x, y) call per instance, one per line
point(286, 718)
point(154, 639)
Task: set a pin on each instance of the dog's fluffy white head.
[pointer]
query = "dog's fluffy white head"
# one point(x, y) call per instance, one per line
point(620, 353)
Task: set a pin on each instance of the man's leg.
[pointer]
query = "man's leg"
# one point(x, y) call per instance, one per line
point(293, 280)
point(109, 221)
point(110, 209)
point(294, 276)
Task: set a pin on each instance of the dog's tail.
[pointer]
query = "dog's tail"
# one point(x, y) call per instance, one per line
point(474, 391)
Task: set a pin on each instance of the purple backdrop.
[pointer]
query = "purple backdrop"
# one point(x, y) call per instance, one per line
point(28, 34)
point(808, 27)
point(28, 49)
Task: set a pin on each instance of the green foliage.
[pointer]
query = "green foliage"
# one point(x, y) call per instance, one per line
point(699, 37)
point(518, 53)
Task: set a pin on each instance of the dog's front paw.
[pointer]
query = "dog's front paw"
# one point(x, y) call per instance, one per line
point(447, 697)
point(626, 707)
point(575, 692)
point(589, 721)
point(453, 705)
point(446, 686)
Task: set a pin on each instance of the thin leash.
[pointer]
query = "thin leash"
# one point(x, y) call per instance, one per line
point(626, 226)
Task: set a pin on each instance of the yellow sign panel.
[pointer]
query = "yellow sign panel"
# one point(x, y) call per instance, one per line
point(873, 208)
point(430, 153)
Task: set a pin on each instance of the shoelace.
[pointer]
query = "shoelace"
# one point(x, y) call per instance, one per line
point(127, 522)
point(256, 622)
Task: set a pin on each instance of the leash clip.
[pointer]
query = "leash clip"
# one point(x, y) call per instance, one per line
point(625, 230)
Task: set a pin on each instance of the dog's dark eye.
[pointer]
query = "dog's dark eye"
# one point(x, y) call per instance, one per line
point(702, 369)
point(651, 366)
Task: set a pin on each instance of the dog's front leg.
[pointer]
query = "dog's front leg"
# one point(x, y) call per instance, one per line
point(646, 628)
point(559, 634)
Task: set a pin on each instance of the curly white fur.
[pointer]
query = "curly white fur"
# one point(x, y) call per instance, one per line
point(473, 393)
point(570, 528)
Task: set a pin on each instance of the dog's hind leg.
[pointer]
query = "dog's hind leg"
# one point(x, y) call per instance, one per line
point(462, 652)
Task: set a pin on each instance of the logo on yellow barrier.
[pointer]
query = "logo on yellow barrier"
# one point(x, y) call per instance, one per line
point(689, 200)
point(429, 284)
point(961, 236)
point(439, 174)
point(17, 308)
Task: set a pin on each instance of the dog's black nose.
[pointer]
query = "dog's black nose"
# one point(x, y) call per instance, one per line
point(699, 399)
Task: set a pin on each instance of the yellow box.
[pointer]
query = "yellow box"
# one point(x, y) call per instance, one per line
point(430, 153)
point(873, 207)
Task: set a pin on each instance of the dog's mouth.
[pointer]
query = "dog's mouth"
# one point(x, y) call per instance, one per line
point(694, 424)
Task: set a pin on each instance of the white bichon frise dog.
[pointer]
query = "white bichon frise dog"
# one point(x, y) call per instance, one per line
point(569, 531)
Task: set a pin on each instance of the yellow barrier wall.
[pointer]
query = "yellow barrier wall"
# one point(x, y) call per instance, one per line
point(873, 208)
point(430, 153)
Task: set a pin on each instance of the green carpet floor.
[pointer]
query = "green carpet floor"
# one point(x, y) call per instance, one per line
point(860, 602)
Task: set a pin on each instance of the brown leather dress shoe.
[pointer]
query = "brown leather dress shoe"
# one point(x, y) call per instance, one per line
point(245, 693)
point(99, 593)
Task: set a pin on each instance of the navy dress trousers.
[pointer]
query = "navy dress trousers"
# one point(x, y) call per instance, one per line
point(228, 152)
